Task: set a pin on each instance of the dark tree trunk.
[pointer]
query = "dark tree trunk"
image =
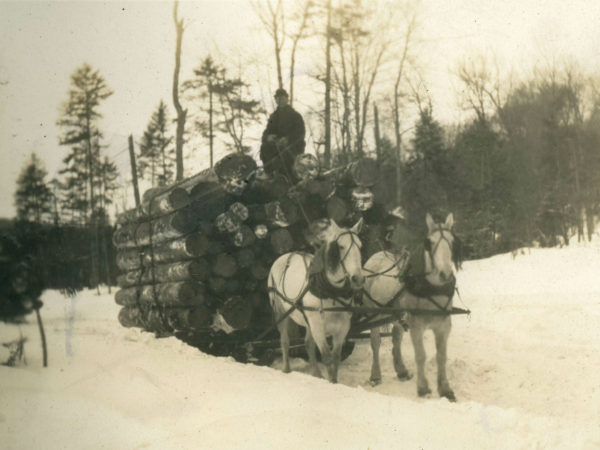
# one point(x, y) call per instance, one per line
point(42, 336)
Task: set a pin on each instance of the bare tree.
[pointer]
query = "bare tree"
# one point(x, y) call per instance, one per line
point(273, 19)
point(181, 113)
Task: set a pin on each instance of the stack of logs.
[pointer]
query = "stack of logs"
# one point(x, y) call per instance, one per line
point(195, 256)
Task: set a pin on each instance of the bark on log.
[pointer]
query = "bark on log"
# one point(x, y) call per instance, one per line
point(191, 246)
point(165, 294)
point(156, 204)
point(158, 230)
point(195, 270)
point(148, 319)
point(207, 175)
point(167, 319)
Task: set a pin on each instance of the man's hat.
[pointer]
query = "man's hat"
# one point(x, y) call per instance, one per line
point(280, 91)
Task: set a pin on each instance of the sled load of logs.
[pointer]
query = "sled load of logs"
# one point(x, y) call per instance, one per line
point(194, 256)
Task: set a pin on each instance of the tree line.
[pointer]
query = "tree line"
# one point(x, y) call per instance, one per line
point(523, 168)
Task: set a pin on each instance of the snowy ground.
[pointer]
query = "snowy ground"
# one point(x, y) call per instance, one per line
point(524, 368)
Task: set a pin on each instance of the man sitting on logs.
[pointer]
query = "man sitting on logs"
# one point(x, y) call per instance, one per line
point(283, 139)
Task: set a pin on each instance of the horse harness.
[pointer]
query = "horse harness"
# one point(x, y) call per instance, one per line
point(318, 284)
point(418, 285)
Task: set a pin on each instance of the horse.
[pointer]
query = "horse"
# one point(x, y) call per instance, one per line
point(432, 291)
point(302, 288)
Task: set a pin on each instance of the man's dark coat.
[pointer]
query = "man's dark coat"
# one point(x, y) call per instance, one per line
point(284, 122)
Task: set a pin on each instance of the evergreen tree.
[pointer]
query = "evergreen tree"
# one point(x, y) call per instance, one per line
point(202, 88)
point(237, 110)
point(428, 181)
point(157, 157)
point(33, 197)
point(79, 121)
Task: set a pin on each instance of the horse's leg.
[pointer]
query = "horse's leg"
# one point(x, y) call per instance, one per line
point(338, 342)
point(375, 368)
point(309, 343)
point(416, 334)
point(442, 331)
point(401, 371)
point(317, 328)
point(285, 344)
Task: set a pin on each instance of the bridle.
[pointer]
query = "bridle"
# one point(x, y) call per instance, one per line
point(355, 241)
point(432, 250)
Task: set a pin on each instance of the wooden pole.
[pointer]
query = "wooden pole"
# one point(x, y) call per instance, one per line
point(377, 135)
point(136, 189)
point(328, 89)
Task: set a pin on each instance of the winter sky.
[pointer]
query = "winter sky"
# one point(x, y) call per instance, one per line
point(132, 43)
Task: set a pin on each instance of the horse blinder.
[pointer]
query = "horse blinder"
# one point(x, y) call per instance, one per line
point(333, 256)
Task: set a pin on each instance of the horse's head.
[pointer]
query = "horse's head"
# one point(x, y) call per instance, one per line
point(439, 246)
point(343, 263)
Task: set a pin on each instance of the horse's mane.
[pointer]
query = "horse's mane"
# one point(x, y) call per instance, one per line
point(457, 252)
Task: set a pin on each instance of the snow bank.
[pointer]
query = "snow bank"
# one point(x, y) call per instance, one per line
point(523, 366)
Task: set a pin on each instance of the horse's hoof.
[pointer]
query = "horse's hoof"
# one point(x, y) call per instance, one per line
point(449, 395)
point(404, 376)
point(286, 370)
point(374, 382)
point(423, 391)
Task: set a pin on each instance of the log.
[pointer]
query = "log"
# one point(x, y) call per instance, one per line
point(223, 286)
point(158, 203)
point(188, 247)
point(167, 319)
point(130, 216)
point(239, 210)
point(306, 167)
point(237, 312)
point(207, 175)
point(157, 230)
point(244, 237)
point(235, 172)
point(281, 241)
point(227, 222)
point(165, 294)
point(244, 258)
point(163, 273)
point(148, 319)
point(260, 271)
point(224, 265)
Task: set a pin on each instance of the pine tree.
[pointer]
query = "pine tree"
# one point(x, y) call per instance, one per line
point(157, 157)
point(202, 88)
point(237, 111)
point(33, 197)
point(79, 121)
point(428, 179)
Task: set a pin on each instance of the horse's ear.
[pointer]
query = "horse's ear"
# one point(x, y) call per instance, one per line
point(357, 226)
point(430, 222)
point(449, 221)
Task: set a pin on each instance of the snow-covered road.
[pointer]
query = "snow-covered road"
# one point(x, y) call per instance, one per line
point(524, 367)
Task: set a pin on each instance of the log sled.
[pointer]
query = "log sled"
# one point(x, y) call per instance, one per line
point(195, 256)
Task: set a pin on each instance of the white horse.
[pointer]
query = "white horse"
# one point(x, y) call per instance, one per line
point(386, 285)
point(302, 287)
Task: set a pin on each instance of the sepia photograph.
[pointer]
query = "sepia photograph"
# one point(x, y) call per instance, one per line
point(312, 224)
